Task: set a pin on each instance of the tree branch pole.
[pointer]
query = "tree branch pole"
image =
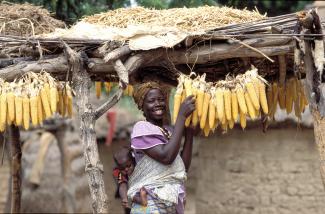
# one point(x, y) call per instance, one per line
point(14, 142)
point(312, 91)
point(86, 115)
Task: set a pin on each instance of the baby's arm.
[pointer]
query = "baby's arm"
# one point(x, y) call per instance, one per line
point(142, 198)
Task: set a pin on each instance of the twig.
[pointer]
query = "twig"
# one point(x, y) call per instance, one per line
point(254, 49)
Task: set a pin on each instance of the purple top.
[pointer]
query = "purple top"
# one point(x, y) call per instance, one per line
point(145, 135)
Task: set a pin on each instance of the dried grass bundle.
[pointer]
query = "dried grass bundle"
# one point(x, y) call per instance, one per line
point(187, 19)
point(26, 20)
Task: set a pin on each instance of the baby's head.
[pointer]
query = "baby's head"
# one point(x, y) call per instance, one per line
point(124, 161)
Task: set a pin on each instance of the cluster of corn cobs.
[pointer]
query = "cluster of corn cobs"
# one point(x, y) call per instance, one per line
point(33, 98)
point(223, 102)
point(108, 87)
point(289, 96)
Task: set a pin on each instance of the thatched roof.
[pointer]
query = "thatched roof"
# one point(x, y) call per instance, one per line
point(26, 20)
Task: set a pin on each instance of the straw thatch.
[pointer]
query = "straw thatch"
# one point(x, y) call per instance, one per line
point(186, 19)
point(26, 20)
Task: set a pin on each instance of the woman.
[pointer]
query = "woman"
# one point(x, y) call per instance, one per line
point(159, 167)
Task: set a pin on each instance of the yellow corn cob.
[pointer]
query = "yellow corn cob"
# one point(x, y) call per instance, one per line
point(200, 97)
point(188, 86)
point(223, 120)
point(3, 110)
point(108, 86)
point(188, 121)
point(40, 115)
point(282, 97)
point(11, 106)
point(263, 100)
point(293, 88)
point(212, 113)
point(289, 97)
point(269, 97)
point(195, 117)
point(45, 103)
point(256, 83)
point(216, 121)
point(234, 105)
point(206, 129)
point(252, 94)
point(231, 123)
point(241, 100)
point(130, 90)
point(204, 115)
point(183, 96)
point(18, 110)
point(220, 103)
point(224, 126)
point(48, 93)
point(53, 99)
point(26, 112)
point(9, 122)
point(250, 107)
point(69, 102)
point(177, 101)
point(60, 102)
point(227, 100)
point(242, 120)
point(297, 107)
point(98, 86)
point(33, 110)
point(275, 94)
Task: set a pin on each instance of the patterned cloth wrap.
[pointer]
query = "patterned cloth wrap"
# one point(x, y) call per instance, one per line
point(164, 183)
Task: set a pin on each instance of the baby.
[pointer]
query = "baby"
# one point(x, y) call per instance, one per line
point(124, 167)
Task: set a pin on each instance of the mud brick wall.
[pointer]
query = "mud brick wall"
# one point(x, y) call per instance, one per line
point(252, 172)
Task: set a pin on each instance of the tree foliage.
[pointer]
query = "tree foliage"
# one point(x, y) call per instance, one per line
point(72, 10)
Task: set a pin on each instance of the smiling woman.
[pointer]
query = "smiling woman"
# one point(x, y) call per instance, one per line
point(160, 170)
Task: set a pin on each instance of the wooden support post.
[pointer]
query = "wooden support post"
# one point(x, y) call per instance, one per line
point(87, 116)
point(14, 142)
point(314, 92)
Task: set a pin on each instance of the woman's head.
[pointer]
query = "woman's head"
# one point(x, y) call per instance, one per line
point(151, 99)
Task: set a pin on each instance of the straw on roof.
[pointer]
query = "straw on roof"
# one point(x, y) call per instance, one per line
point(26, 20)
point(187, 19)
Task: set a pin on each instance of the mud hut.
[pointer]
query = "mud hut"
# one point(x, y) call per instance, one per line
point(144, 43)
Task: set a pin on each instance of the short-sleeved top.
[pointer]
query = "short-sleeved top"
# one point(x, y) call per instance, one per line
point(145, 135)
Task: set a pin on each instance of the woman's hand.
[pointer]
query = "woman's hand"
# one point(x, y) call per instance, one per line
point(187, 107)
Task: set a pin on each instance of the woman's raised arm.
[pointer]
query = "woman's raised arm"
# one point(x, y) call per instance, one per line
point(166, 153)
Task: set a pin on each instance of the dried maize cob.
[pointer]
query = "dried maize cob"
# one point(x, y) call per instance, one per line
point(206, 129)
point(227, 100)
point(242, 119)
point(250, 107)
point(289, 97)
point(11, 106)
point(108, 86)
point(220, 103)
point(177, 101)
point(205, 109)
point(40, 115)
point(53, 99)
point(34, 110)
point(69, 101)
point(252, 94)
point(3, 109)
point(234, 105)
point(241, 99)
point(262, 95)
point(98, 86)
point(200, 95)
point(275, 99)
point(26, 112)
point(45, 103)
point(282, 97)
point(212, 112)
point(195, 117)
point(18, 110)
point(231, 123)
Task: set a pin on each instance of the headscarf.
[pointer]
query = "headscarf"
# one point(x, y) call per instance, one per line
point(142, 89)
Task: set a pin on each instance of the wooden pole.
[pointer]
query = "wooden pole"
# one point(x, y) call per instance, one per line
point(87, 116)
point(14, 141)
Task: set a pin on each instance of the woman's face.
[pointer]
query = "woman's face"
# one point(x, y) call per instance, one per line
point(154, 105)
